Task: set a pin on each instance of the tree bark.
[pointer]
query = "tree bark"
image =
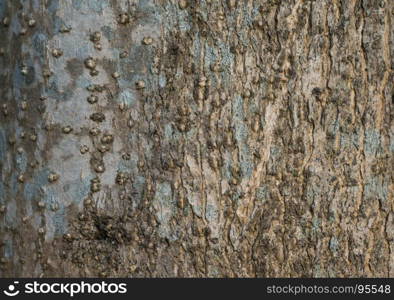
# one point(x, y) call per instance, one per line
point(213, 138)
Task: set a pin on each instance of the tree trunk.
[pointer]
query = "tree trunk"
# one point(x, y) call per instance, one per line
point(159, 138)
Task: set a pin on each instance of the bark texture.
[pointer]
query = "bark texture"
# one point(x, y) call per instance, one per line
point(216, 138)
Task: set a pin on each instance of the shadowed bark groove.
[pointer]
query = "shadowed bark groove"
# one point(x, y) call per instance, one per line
point(160, 138)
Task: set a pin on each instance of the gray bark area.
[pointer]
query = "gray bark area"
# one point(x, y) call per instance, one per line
point(204, 138)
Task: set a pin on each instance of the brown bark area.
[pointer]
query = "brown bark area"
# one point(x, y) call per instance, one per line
point(197, 138)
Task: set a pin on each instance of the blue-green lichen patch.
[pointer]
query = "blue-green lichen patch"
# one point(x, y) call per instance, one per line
point(165, 205)
point(372, 142)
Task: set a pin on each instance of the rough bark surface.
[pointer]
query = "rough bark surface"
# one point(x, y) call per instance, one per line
point(188, 138)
